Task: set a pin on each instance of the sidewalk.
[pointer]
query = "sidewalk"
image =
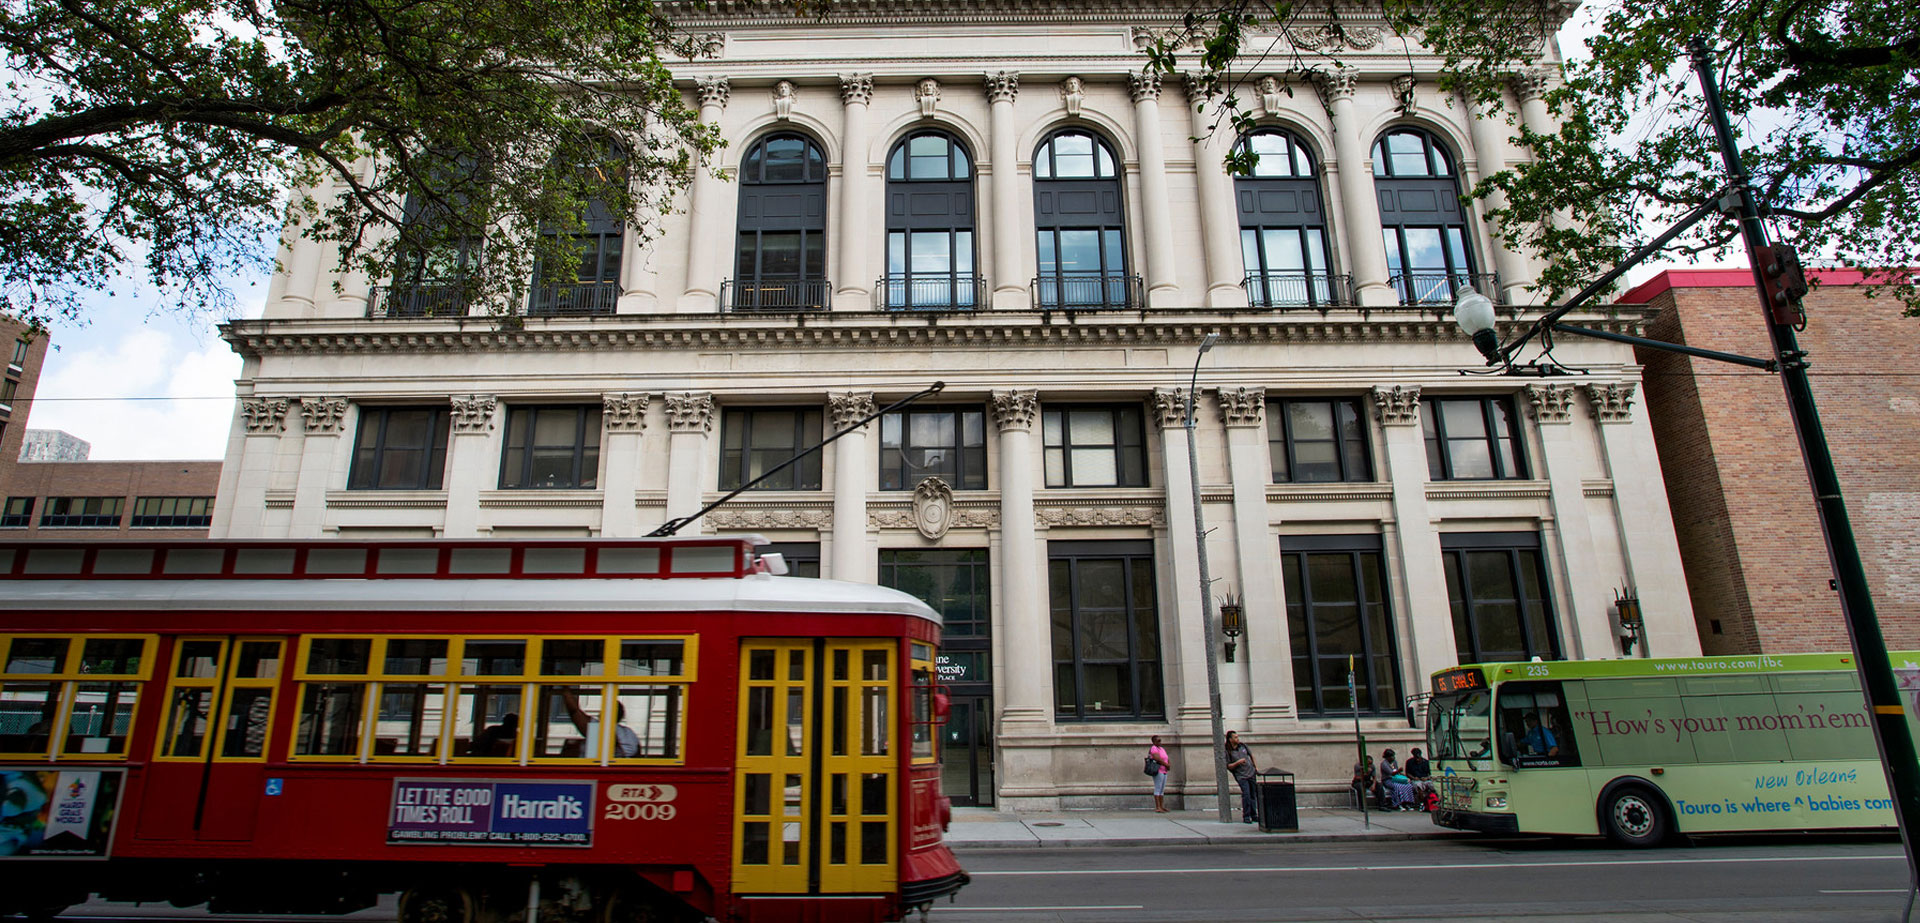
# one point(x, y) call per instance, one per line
point(985, 828)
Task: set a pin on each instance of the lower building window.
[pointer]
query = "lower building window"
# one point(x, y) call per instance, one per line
point(1095, 447)
point(1106, 631)
point(400, 448)
point(82, 512)
point(1323, 439)
point(552, 448)
point(1472, 438)
point(1497, 588)
point(172, 513)
point(1339, 622)
point(755, 441)
point(947, 444)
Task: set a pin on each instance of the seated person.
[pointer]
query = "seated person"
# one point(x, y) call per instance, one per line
point(1420, 775)
point(497, 740)
point(1396, 791)
point(1538, 741)
point(1366, 782)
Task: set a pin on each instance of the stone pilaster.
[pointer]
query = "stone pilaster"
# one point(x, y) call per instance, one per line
point(1427, 642)
point(852, 556)
point(1366, 254)
point(852, 291)
point(473, 461)
point(623, 417)
point(1156, 207)
point(689, 420)
point(1185, 644)
point(1550, 406)
point(1010, 270)
point(706, 212)
point(1219, 221)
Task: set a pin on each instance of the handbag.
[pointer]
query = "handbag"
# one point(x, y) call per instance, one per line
point(1153, 766)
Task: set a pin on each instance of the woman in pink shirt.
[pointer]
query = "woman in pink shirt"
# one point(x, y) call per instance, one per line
point(1158, 754)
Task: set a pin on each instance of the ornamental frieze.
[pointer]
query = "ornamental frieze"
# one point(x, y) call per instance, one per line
point(758, 518)
point(1101, 514)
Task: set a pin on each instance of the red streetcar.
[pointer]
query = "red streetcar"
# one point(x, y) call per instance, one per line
point(603, 731)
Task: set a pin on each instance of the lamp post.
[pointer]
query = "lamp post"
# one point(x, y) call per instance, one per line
point(1218, 744)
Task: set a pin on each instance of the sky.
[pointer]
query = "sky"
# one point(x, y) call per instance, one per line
point(137, 382)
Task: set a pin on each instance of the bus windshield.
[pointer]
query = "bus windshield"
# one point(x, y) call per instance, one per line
point(1458, 726)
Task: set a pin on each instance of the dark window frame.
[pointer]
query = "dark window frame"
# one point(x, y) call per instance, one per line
point(1439, 178)
point(1128, 419)
point(968, 467)
point(166, 513)
point(17, 513)
point(1145, 662)
point(370, 473)
point(1384, 697)
point(58, 513)
point(585, 465)
point(736, 462)
point(1264, 279)
point(966, 618)
point(1283, 444)
point(1439, 445)
point(751, 231)
point(1060, 287)
point(1524, 556)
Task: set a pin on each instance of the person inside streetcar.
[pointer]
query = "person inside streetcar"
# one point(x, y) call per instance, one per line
point(626, 743)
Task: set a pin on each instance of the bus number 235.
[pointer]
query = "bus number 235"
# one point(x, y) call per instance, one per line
point(616, 811)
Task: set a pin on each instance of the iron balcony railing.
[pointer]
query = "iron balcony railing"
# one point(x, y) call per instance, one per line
point(420, 299)
point(921, 292)
point(748, 295)
point(1425, 288)
point(1088, 291)
point(573, 298)
point(1298, 289)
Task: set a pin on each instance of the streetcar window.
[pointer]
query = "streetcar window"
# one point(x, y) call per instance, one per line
point(27, 712)
point(654, 714)
point(487, 722)
point(111, 656)
point(339, 656)
point(417, 656)
point(555, 561)
point(98, 710)
point(198, 660)
point(629, 561)
point(249, 712)
point(100, 717)
point(495, 658)
point(480, 561)
point(924, 732)
point(573, 658)
point(651, 658)
point(409, 722)
point(37, 655)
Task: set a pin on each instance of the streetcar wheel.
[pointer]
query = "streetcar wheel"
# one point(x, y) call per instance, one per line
point(1635, 817)
point(436, 904)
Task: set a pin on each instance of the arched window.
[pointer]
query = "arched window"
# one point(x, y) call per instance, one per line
point(930, 225)
point(600, 241)
point(1283, 225)
point(1420, 217)
point(782, 252)
point(441, 241)
point(1077, 210)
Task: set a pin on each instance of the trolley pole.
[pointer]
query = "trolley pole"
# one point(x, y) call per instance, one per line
point(1889, 718)
point(1366, 819)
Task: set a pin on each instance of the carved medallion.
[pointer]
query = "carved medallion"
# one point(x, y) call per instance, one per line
point(932, 507)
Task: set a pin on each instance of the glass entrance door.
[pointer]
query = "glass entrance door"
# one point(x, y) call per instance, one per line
point(966, 758)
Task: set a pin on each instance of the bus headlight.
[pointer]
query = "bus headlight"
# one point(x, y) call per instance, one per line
point(1497, 802)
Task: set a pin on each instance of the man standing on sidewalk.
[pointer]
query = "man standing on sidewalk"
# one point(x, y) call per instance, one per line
point(1240, 763)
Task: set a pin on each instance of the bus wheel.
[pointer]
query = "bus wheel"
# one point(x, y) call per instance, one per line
point(1635, 817)
point(436, 904)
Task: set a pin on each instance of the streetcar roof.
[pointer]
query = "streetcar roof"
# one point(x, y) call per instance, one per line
point(753, 593)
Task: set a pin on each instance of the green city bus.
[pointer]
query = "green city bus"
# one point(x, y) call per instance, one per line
point(1643, 749)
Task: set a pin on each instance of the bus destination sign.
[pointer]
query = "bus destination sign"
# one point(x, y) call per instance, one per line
point(1465, 679)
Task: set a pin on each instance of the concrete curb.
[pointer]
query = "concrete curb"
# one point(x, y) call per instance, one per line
point(1269, 839)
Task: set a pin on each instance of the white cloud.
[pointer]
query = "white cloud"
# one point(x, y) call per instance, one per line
point(145, 394)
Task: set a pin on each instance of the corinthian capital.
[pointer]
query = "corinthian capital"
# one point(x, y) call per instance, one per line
point(1613, 402)
point(856, 88)
point(1396, 406)
point(1143, 86)
point(473, 413)
point(1550, 403)
point(266, 416)
point(845, 408)
point(1242, 406)
point(1015, 410)
point(1003, 86)
point(625, 412)
point(689, 411)
point(322, 415)
point(1531, 83)
point(1337, 85)
point(713, 91)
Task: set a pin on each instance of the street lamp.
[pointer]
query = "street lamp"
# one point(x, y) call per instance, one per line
point(1474, 312)
point(1206, 593)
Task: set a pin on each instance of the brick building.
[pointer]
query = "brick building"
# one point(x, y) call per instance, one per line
point(88, 499)
point(1750, 540)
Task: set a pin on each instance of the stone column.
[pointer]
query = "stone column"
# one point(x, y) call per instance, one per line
point(1550, 405)
point(1366, 254)
point(624, 417)
point(473, 463)
point(1492, 153)
point(689, 420)
point(639, 278)
point(851, 290)
point(1530, 87)
point(1162, 285)
point(1647, 539)
point(706, 214)
point(1427, 642)
point(1267, 661)
point(321, 420)
point(1185, 646)
point(1023, 623)
point(266, 422)
point(1010, 270)
point(853, 474)
point(300, 295)
point(1219, 218)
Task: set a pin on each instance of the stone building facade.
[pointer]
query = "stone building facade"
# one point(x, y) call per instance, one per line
point(996, 199)
point(1749, 533)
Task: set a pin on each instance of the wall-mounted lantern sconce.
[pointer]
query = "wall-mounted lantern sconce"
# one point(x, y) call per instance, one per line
point(1627, 606)
point(1233, 621)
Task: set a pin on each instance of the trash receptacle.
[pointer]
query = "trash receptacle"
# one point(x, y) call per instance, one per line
point(1273, 792)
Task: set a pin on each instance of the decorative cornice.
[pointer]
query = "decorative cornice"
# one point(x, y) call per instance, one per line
point(1550, 403)
point(926, 94)
point(266, 416)
point(1328, 493)
point(1015, 409)
point(816, 515)
point(280, 499)
point(856, 89)
point(1602, 487)
point(1242, 406)
point(386, 499)
point(689, 411)
point(845, 408)
point(1488, 490)
point(1396, 406)
point(1611, 402)
point(323, 415)
point(1093, 512)
point(1143, 86)
point(712, 90)
point(540, 499)
point(963, 513)
point(1169, 408)
point(886, 330)
point(474, 413)
point(1003, 86)
point(625, 412)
